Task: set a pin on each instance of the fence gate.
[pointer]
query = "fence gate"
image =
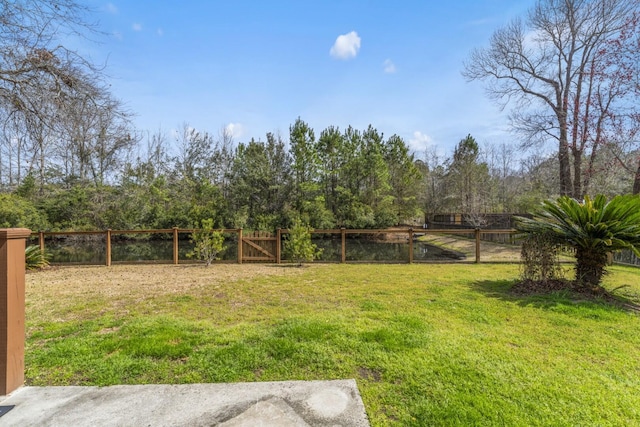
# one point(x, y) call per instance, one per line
point(259, 246)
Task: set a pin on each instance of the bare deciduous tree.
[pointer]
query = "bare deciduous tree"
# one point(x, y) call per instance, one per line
point(547, 66)
point(58, 97)
point(33, 64)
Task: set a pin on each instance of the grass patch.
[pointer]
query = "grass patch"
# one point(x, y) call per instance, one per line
point(427, 344)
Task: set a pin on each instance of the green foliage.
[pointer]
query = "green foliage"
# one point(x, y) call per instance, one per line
point(305, 163)
point(298, 246)
point(468, 178)
point(35, 258)
point(594, 228)
point(343, 178)
point(260, 182)
point(348, 178)
point(540, 258)
point(317, 213)
point(206, 202)
point(386, 212)
point(27, 187)
point(353, 213)
point(70, 208)
point(18, 212)
point(208, 244)
point(404, 178)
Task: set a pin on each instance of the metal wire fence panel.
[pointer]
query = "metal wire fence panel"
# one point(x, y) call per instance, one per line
point(337, 245)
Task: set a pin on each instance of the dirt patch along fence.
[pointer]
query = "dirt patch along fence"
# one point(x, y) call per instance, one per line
point(342, 245)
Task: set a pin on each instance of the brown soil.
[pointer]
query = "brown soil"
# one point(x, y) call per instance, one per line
point(534, 287)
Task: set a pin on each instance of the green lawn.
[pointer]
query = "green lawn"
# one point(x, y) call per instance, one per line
point(427, 344)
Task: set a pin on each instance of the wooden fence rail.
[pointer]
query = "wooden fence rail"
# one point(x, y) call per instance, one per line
point(266, 247)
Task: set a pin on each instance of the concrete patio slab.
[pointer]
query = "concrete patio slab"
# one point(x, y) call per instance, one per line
point(282, 404)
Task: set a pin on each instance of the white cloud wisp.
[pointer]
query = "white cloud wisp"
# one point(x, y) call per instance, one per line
point(420, 141)
point(236, 130)
point(389, 66)
point(346, 46)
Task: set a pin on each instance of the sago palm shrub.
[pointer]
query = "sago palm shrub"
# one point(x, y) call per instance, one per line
point(35, 258)
point(593, 228)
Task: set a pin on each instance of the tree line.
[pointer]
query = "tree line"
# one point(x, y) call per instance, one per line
point(338, 178)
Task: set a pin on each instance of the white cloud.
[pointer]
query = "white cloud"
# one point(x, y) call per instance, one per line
point(136, 27)
point(420, 141)
point(236, 130)
point(346, 46)
point(389, 66)
point(160, 32)
point(111, 8)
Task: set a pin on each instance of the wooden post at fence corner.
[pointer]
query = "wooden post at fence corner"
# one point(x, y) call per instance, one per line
point(410, 245)
point(343, 234)
point(239, 245)
point(175, 245)
point(12, 329)
point(41, 240)
point(477, 245)
point(108, 238)
point(278, 243)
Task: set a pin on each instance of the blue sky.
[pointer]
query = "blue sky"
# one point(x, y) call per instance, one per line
point(255, 66)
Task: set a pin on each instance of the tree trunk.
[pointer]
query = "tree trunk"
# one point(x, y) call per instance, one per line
point(577, 179)
point(636, 180)
point(563, 159)
point(41, 190)
point(590, 267)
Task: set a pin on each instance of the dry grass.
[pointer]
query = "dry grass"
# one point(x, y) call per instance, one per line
point(114, 289)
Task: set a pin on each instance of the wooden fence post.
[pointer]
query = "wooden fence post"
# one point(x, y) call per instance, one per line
point(41, 240)
point(12, 328)
point(175, 245)
point(108, 238)
point(239, 245)
point(278, 250)
point(410, 245)
point(477, 245)
point(343, 234)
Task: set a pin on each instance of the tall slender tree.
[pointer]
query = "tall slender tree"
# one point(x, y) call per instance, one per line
point(331, 153)
point(467, 178)
point(404, 178)
point(306, 164)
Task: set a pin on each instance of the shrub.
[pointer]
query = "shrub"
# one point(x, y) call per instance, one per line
point(18, 212)
point(540, 258)
point(208, 244)
point(593, 228)
point(298, 246)
point(35, 258)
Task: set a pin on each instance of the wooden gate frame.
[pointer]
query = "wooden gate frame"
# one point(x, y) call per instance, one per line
point(251, 241)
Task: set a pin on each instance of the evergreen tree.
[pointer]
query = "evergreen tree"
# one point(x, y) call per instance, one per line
point(404, 178)
point(466, 180)
point(306, 164)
